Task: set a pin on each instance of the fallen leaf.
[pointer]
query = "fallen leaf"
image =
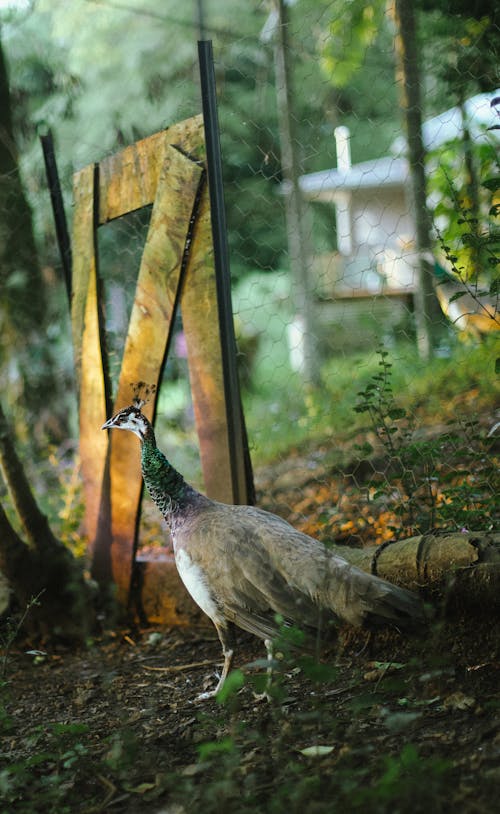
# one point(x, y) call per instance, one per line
point(142, 788)
point(316, 750)
point(460, 701)
point(193, 769)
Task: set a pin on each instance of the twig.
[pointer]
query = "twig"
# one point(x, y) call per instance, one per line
point(175, 668)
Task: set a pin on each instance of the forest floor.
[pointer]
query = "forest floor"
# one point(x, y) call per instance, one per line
point(392, 724)
point(413, 726)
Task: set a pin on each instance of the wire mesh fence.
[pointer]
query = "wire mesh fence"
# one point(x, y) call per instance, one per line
point(352, 433)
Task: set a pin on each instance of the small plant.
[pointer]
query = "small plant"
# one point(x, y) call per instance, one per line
point(56, 755)
point(444, 481)
point(469, 235)
point(394, 428)
point(11, 631)
point(414, 782)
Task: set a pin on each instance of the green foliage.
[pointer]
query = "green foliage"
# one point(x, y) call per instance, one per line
point(459, 49)
point(282, 415)
point(377, 399)
point(122, 750)
point(232, 684)
point(48, 771)
point(466, 214)
point(353, 27)
point(313, 748)
point(446, 482)
point(211, 748)
point(315, 776)
point(411, 780)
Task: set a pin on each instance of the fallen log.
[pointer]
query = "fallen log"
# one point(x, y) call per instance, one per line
point(462, 568)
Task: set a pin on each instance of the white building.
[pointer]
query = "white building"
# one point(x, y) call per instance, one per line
point(374, 223)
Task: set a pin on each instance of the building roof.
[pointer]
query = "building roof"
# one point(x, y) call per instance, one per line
point(386, 172)
point(393, 170)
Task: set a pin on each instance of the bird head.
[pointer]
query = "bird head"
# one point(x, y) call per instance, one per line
point(129, 418)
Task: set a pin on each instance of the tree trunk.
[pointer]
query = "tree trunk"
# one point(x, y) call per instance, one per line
point(459, 567)
point(427, 311)
point(297, 243)
point(18, 254)
point(43, 567)
point(23, 307)
point(33, 521)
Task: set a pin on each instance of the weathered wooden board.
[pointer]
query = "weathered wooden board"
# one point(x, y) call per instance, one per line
point(87, 344)
point(147, 338)
point(200, 320)
point(128, 179)
point(166, 170)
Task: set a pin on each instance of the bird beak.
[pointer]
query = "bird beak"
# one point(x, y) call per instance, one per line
point(108, 425)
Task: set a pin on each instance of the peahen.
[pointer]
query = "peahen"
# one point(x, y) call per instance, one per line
point(247, 567)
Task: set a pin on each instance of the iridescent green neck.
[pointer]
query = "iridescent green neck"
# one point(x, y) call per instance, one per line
point(166, 486)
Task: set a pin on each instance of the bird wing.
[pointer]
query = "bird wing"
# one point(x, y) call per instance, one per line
point(254, 563)
point(315, 579)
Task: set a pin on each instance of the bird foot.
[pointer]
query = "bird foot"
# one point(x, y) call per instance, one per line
point(262, 696)
point(205, 696)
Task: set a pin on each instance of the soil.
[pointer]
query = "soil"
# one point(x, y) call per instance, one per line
point(407, 725)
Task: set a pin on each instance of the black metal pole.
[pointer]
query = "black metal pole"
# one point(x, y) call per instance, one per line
point(241, 471)
point(58, 208)
point(200, 19)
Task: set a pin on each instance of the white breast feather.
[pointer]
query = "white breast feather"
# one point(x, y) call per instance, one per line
point(196, 584)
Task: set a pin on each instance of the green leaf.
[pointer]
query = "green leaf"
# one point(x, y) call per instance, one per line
point(388, 665)
point(214, 747)
point(492, 183)
point(457, 296)
point(71, 729)
point(398, 721)
point(396, 412)
point(364, 449)
point(232, 684)
point(321, 673)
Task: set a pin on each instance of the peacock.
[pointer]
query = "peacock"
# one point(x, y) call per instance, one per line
point(248, 567)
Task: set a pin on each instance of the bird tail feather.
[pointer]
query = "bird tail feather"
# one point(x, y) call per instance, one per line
point(365, 600)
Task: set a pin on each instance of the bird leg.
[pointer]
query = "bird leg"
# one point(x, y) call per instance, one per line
point(264, 696)
point(228, 652)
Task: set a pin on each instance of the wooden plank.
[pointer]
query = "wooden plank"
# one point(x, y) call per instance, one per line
point(88, 352)
point(159, 596)
point(200, 319)
point(84, 262)
point(129, 178)
point(147, 339)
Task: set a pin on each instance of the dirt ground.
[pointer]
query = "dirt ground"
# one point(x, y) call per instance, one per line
point(409, 726)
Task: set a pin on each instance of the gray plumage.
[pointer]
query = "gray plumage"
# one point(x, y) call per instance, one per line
point(245, 566)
